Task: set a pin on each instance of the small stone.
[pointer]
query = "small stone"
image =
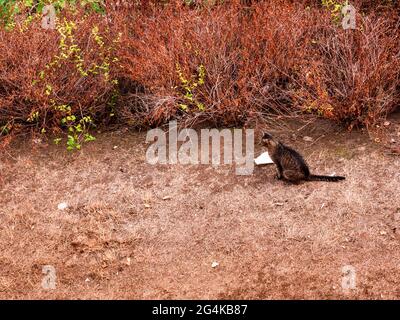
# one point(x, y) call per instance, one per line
point(361, 148)
point(214, 264)
point(386, 123)
point(166, 198)
point(382, 232)
point(308, 139)
point(62, 206)
point(392, 141)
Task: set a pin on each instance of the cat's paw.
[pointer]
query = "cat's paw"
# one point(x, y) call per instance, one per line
point(278, 176)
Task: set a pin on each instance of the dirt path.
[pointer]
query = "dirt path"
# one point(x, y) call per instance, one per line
point(133, 230)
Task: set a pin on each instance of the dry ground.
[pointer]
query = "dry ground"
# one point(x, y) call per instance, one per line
point(120, 239)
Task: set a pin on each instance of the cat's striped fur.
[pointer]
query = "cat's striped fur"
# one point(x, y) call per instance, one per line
point(290, 165)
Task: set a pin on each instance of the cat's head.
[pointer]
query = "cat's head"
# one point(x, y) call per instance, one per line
point(268, 140)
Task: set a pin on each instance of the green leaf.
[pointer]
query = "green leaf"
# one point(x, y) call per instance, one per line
point(183, 106)
point(89, 137)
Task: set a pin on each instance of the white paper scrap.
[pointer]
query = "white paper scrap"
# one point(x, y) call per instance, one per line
point(263, 158)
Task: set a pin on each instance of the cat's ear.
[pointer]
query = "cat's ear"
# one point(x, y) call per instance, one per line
point(267, 136)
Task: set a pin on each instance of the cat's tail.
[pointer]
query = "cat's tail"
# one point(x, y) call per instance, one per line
point(315, 177)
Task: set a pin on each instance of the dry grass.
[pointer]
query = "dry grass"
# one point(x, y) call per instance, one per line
point(271, 240)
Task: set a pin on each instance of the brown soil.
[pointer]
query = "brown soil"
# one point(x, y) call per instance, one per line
point(121, 238)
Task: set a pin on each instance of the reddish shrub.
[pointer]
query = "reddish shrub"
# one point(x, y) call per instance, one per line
point(46, 75)
point(266, 59)
point(224, 62)
point(355, 74)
